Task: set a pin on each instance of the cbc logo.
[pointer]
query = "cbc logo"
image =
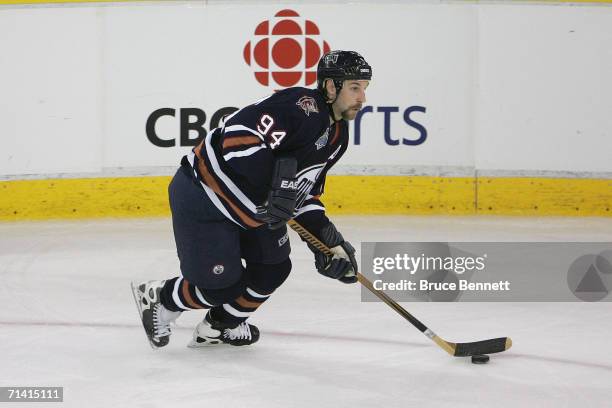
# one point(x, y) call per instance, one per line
point(285, 51)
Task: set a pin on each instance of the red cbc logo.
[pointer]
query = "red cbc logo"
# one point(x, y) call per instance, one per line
point(286, 48)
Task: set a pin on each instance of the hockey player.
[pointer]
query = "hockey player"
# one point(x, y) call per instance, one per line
point(233, 195)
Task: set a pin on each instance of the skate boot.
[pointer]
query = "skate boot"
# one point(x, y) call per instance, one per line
point(210, 333)
point(156, 319)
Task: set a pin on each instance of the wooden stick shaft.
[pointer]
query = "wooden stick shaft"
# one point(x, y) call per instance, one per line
point(454, 349)
point(362, 279)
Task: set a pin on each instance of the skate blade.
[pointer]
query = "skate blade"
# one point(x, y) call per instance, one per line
point(137, 296)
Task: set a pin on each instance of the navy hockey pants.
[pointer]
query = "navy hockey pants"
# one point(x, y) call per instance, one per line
point(210, 246)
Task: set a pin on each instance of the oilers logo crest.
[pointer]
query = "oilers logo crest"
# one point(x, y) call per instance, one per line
point(308, 105)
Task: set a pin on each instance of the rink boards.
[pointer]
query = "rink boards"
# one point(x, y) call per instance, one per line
point(147, 196)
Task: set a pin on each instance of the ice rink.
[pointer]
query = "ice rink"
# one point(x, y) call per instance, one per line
point(67, 318)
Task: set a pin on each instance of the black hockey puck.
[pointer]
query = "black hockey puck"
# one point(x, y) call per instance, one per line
point(480, 359)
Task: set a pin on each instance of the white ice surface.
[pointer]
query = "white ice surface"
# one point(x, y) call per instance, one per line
point(67, 318)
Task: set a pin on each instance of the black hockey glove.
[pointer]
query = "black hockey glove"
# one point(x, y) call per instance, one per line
point(342, 265)
point(279, 207)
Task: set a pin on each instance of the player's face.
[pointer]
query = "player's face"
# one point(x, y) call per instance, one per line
point(351, 99)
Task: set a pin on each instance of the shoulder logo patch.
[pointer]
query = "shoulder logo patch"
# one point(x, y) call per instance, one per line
point(308, 105)
point(322, 141)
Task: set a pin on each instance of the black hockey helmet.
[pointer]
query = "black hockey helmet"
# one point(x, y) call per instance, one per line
point(341, 65)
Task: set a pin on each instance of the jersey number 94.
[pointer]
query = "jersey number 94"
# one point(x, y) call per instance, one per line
point(265, 125)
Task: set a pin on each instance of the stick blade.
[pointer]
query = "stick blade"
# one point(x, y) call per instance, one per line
point(483, 347)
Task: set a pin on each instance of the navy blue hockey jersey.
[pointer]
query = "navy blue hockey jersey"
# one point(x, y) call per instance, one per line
point(234, 162)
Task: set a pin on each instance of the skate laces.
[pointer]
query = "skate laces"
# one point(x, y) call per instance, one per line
point(162, 326)
point(243, 331)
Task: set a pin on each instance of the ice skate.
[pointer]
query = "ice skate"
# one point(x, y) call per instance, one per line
point(156, 319)
point(210, 333)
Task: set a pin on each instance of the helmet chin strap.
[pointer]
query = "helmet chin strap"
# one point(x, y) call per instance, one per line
point(333, 115)
point(338, 87)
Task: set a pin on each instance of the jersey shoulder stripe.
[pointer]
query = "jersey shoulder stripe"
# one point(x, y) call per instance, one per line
point(240, 140)
point(232, 200)
point(243, 153)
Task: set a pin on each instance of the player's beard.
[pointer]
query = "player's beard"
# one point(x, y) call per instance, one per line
point(351, 112)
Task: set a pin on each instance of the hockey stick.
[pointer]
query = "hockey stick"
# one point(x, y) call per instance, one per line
point(454, 349)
